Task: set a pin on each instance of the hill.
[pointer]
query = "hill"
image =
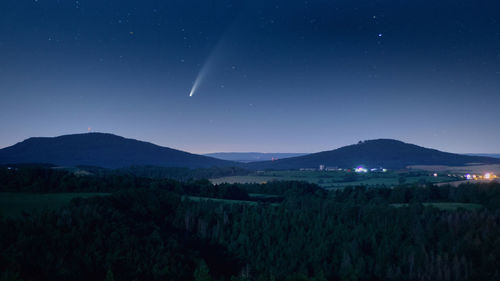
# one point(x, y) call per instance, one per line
point(247, 157)
point(102, 150)
point(385, 153)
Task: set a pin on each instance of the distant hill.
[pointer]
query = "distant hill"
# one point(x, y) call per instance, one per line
point(102, 150)
point(247, 157)
point(484, 154)
point(385, 153)
point(111, 151)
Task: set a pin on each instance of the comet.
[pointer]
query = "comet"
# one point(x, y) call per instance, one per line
point(195, 86)
point(201, 76)
point(208, 66)
point(199, 79)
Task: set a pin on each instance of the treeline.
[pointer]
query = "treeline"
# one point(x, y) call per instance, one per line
point(40, 179)
point(181, 174)
point(156, 172)
point(152, 172)
point(485, 194)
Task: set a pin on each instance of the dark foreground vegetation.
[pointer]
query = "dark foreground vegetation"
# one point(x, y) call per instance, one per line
point(149, 229)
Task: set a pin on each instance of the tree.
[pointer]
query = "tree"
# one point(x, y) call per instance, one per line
point(110, 276)
point(202, 272)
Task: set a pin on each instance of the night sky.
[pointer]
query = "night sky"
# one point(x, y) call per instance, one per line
point(272, 76)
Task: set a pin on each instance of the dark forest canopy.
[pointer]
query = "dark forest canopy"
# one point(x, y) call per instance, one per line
point(151, 229)
point(153, 172)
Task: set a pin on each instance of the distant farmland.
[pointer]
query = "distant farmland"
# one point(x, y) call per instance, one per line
point(338, 179)
point(478, 169)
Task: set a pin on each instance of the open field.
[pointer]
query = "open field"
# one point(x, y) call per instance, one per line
point(243, 179)
point(225, 201)
point(229, 201)
point(448, 206)
point(473, 169)
point(13, 204)
point(263, 195)
point(337, 179)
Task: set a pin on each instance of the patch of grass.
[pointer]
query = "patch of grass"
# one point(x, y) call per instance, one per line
point(447, 206)
point(13, 204)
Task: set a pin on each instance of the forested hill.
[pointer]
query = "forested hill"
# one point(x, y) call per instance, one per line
point(111, 151)
point(385, 153)
point(102, 150)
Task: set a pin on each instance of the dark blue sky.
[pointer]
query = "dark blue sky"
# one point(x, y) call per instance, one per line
point(274, 76)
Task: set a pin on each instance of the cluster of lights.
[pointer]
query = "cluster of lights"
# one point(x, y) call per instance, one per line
point(486, 176)
point(361, 169)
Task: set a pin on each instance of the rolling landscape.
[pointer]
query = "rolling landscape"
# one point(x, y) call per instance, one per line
point(390, 162)
point(264, 140)
point(112, 151)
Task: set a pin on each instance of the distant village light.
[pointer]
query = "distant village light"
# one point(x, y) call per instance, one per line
point(361, 169)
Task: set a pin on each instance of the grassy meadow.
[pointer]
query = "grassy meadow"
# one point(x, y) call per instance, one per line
point(447, 206)
point(226, 201)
